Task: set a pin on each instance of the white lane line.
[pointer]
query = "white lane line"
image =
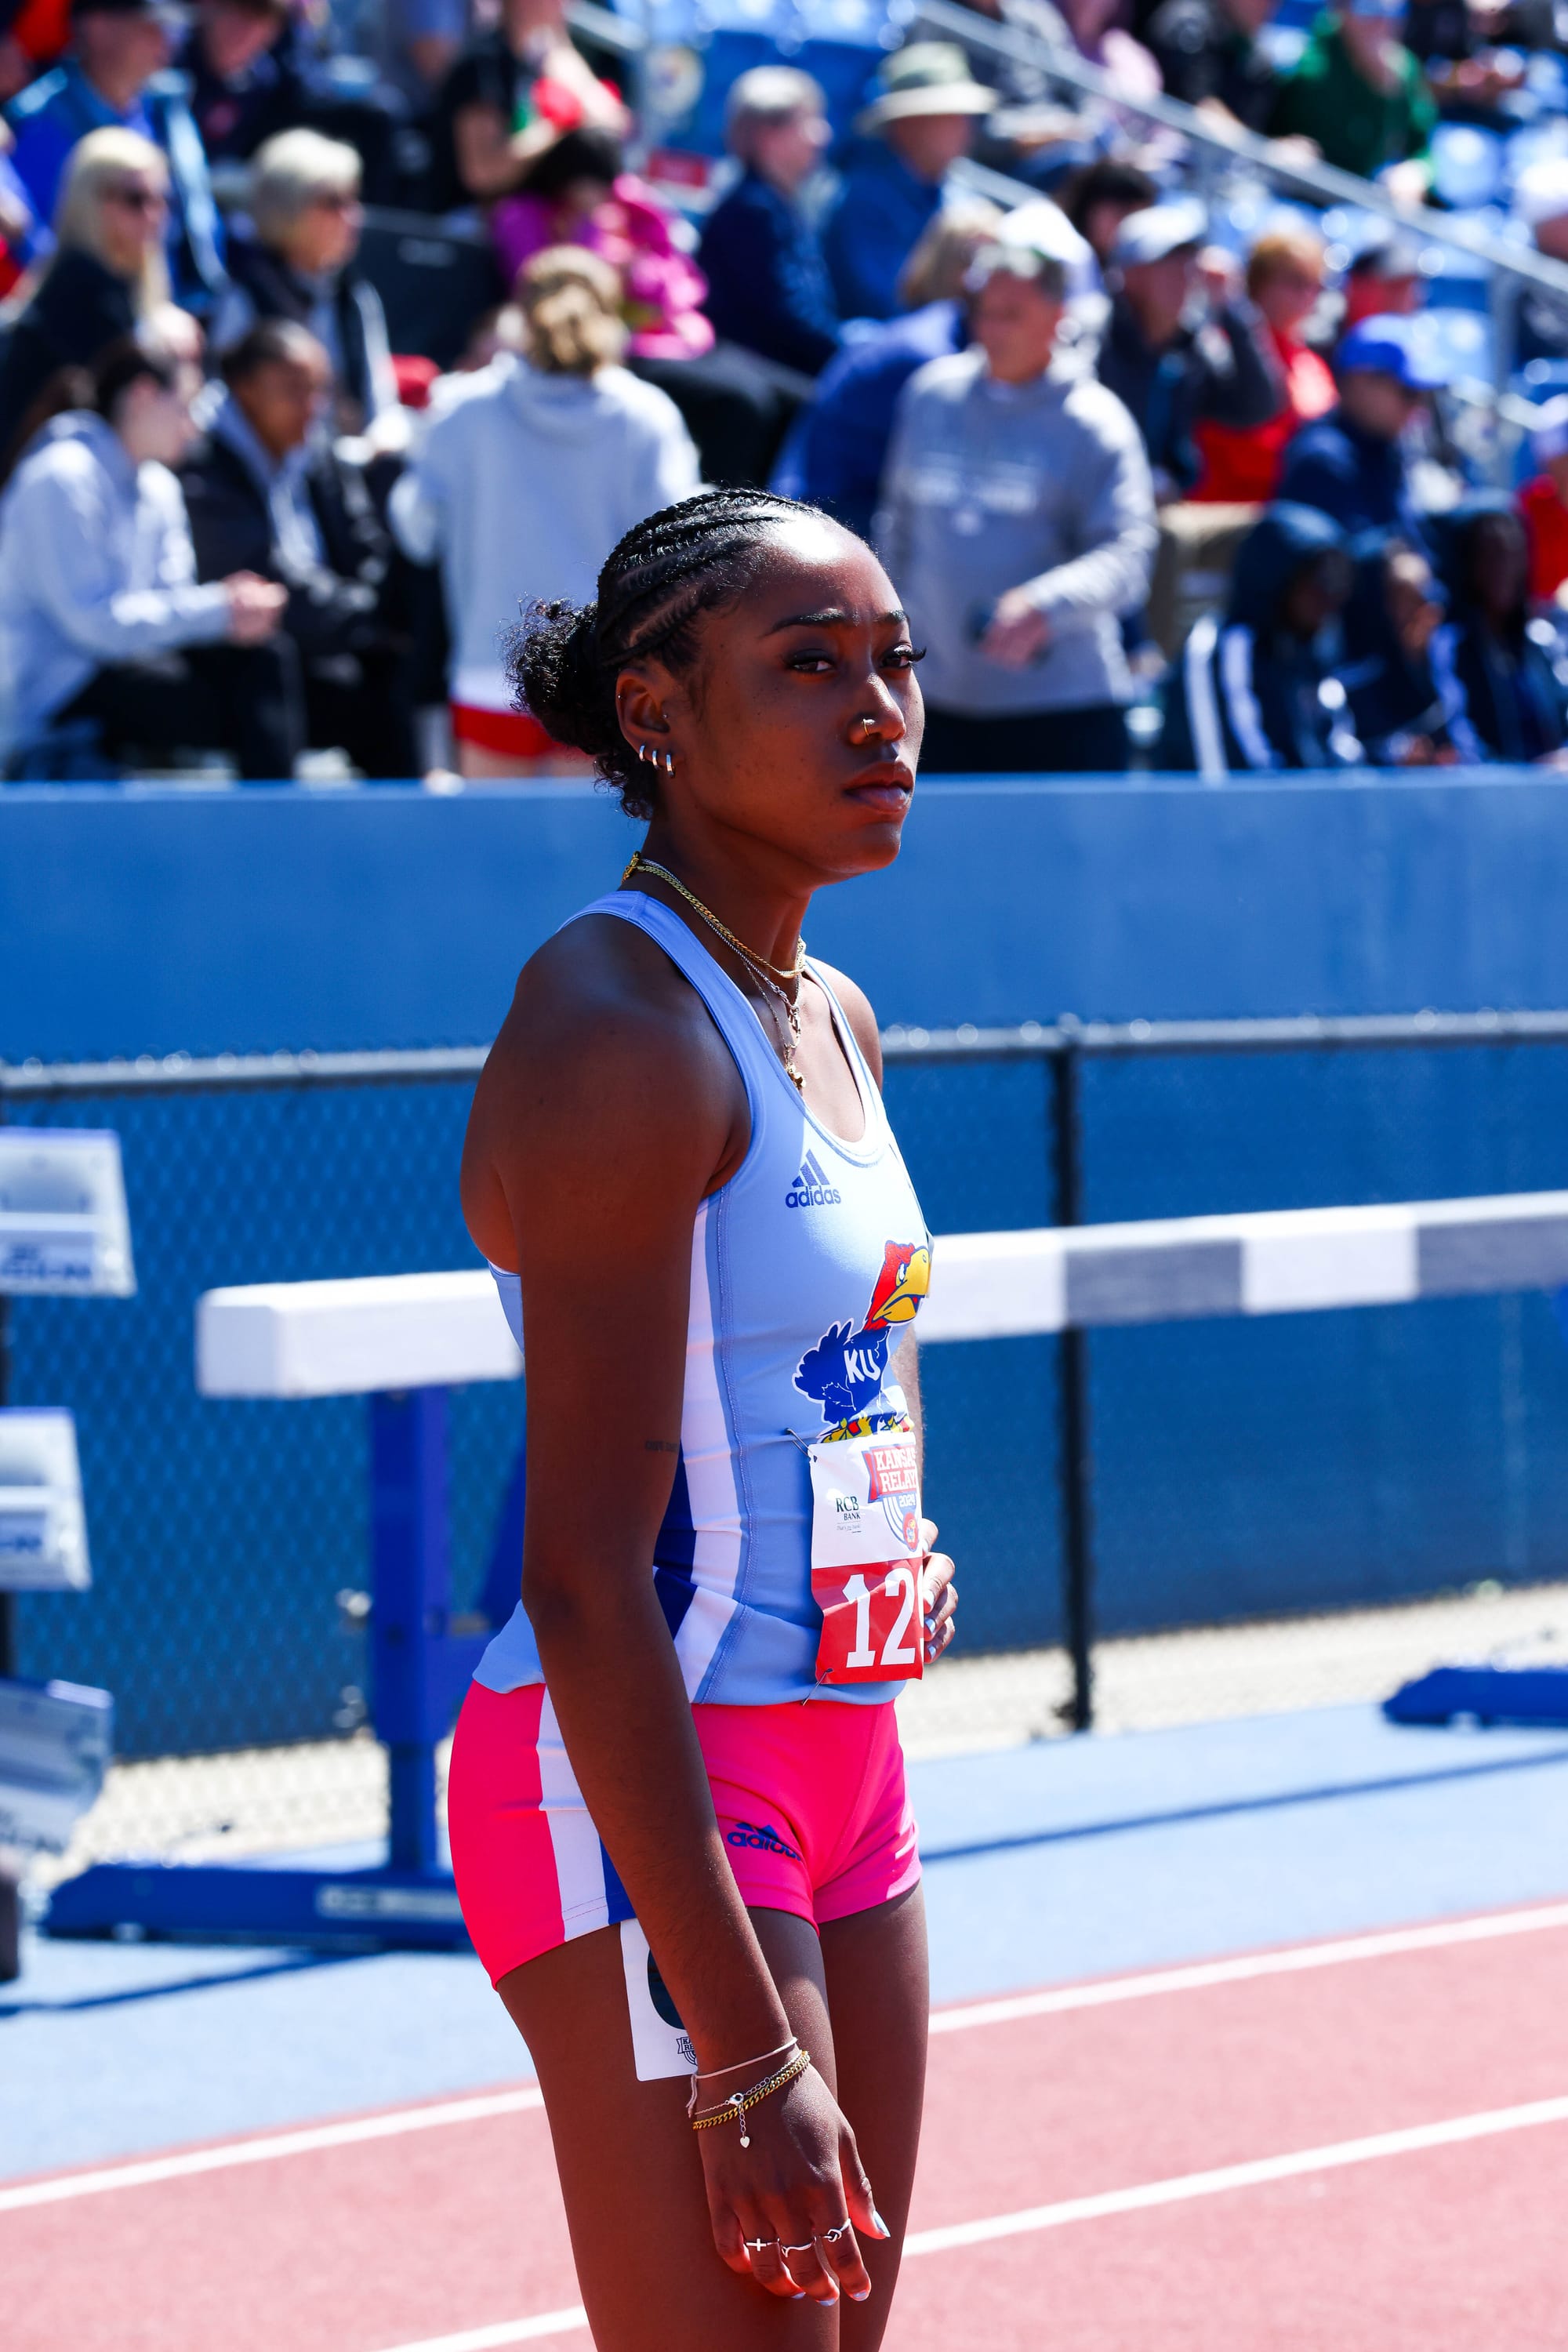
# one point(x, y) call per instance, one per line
point(1452, 2133)
point(1292, 1962)
point(147, 2172)
point(505, 2331)
point(189, 2162)
point(1455, 2131)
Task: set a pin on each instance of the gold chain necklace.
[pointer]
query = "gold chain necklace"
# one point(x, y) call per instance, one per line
point(770, 975)
point(784, 974)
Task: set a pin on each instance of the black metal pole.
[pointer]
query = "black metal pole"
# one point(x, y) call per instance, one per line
point(1075, 1468)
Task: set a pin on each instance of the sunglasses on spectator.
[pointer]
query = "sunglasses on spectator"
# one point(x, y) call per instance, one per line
point(137, 200)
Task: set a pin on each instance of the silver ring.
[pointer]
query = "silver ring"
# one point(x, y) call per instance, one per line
point(809, 2248)
point(831, 2237)
point(756, 2245)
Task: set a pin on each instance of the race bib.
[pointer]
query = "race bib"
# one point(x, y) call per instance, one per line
point(865, 1556)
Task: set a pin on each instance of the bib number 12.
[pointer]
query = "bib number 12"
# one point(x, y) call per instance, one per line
point(893, 1605)
point(866, 1559)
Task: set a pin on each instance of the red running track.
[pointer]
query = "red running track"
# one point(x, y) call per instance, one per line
point(398, 2241)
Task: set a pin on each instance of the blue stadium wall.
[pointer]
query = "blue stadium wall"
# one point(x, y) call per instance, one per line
point(1241, 1469)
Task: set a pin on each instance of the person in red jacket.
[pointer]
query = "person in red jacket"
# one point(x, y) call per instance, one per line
point(1543, 503)
point(1284, 281)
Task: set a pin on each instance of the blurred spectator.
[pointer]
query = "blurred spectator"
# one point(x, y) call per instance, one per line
point(244, 76)
point(1508, 668)
point(1209, 56)
point(737, 404)
point(1357, 94)
point(768, 286)
point(523, 483)
point(264, 495)
point(1098, 199)
point(1284, 282)
point(114, 78)
point(107, 273)
point(842, 446)
point(417, 43)
point(921, 121)
point(1351, 464)
point(510, 96)
point(579, 193)
point(1403, 716)
point(1540, 202)
point(1018, 523)
point(1543, 503)
point(1257, 690)
point(1470, 77)
point(104, 631)
point(1384, 280)
point(1170, 367)
point(295, 262)
point(1100, 35)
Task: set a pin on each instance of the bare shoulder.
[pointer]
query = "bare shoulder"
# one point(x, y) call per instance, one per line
point(858, 1012)
point(607, 1073)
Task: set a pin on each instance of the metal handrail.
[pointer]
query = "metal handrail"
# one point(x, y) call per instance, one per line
point(1325, 182)
point(1027, 1041)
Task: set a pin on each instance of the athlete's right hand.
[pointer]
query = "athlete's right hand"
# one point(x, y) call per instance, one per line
point(787, 2209)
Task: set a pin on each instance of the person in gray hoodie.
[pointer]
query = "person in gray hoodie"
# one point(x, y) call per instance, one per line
point(109, 646)
point(1018, 521)
point(525, 481)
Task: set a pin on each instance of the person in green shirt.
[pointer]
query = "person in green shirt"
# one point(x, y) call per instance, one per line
point(1358, 93)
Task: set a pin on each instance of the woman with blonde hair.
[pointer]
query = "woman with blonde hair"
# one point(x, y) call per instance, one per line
point(105, 276)
point(525, 479)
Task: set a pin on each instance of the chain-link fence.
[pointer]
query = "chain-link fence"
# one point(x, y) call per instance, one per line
point(1243, 1476)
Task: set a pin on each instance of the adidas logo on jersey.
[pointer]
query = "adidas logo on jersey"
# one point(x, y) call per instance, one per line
point(811, 1188)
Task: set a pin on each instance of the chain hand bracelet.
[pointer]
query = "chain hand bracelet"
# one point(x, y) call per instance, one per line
point(734, 2109)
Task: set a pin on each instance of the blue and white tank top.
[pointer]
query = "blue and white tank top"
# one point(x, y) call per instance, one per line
point(808, 1267)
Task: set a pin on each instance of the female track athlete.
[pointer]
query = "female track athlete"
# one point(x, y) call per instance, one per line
point(679, 1167)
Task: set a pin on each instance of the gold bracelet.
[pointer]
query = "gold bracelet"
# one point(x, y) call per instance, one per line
point(733, 2110)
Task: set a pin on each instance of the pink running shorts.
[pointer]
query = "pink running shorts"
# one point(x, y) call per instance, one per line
point(810, 1798)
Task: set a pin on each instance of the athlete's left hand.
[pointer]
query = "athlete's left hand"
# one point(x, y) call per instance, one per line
point(938, 1594)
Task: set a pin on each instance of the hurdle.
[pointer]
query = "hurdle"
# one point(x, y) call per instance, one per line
point(402, 1341)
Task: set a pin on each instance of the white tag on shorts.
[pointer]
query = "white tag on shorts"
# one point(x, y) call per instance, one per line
point(660, 2043)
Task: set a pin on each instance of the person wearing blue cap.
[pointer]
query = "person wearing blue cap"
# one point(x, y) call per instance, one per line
point(1351, 464)
point(1169, 360)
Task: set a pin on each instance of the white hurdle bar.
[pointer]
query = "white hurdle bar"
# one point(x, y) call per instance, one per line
point(427, 1331)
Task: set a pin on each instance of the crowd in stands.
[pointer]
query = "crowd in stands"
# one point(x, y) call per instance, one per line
point(1125, 449)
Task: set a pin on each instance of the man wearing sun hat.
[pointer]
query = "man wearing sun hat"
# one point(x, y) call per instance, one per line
point(920, 120)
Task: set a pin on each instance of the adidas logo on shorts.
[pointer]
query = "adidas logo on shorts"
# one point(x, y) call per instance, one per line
point(765, 1838)
point(811, 1188)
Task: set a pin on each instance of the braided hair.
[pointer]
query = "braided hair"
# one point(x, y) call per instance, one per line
point(684, 562)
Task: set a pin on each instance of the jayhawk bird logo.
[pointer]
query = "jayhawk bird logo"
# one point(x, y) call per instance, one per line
point(845, 1368)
